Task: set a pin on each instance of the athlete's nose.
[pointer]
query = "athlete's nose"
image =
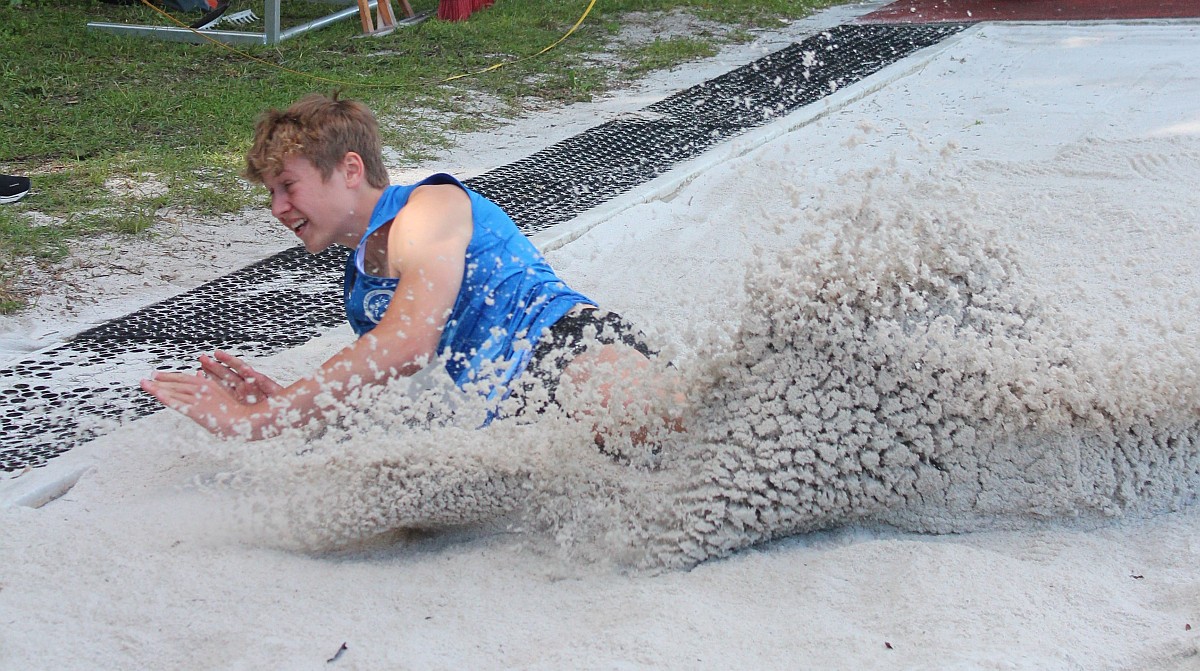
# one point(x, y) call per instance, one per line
point(279, 205)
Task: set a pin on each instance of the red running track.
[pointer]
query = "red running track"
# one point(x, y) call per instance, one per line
point(966, 11)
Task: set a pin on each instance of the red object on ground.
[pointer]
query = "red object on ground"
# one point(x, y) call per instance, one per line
point(966, 11)
point(454, 10)
point(459, 10)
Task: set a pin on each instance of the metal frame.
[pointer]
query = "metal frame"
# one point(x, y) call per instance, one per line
point(272, 33)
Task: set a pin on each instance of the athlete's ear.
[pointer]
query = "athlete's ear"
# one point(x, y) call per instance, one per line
point(352, 166)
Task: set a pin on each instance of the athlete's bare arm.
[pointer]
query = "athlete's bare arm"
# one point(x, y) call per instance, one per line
point(426, 248)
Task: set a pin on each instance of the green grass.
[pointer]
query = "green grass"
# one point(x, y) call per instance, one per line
point(81, 107)
point(661, 54)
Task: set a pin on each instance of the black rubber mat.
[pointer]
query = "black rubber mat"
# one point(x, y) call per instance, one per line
point(71, 393)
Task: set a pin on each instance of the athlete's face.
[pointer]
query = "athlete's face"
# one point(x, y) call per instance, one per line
point(319, 211)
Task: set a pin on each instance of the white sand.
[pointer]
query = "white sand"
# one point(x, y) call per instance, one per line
point(1078, 146)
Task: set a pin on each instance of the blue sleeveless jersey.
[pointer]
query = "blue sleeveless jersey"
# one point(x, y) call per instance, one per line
point(509, 294)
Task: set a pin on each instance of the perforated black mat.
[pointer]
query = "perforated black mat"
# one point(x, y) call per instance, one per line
point(71, 393)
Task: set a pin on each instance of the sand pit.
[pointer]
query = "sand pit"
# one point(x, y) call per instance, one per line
point(941, 347)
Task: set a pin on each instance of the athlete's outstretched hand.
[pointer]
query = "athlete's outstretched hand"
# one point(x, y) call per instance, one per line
point(226, 396)
point(243, 382)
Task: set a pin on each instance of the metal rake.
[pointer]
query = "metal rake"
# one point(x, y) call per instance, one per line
point(242, 18)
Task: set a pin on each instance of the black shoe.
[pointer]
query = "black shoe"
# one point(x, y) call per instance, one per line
point(13, 188)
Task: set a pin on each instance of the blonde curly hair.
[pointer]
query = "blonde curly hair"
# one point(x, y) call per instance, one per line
point(321, 129)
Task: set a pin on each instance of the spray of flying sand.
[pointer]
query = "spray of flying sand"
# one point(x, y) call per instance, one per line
point(898, 367)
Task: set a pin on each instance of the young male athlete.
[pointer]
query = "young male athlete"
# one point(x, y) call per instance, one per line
point(436, 270)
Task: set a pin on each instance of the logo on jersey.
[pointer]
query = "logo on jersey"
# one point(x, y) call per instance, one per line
point(375, 303)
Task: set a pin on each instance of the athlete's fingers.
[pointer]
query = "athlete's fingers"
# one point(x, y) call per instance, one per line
point(236, 377)
point(216, 369)
point(202, 399)
point(171, 390)
point(184, 385)
point(222, 375)
point(161, 376)
point(263, 383)
point(168, 395)
point(235, 364)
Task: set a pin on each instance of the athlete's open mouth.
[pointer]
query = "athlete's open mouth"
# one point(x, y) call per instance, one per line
point(298, 225)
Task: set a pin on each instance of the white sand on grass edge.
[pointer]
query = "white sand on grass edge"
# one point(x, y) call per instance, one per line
point(1083, 166)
